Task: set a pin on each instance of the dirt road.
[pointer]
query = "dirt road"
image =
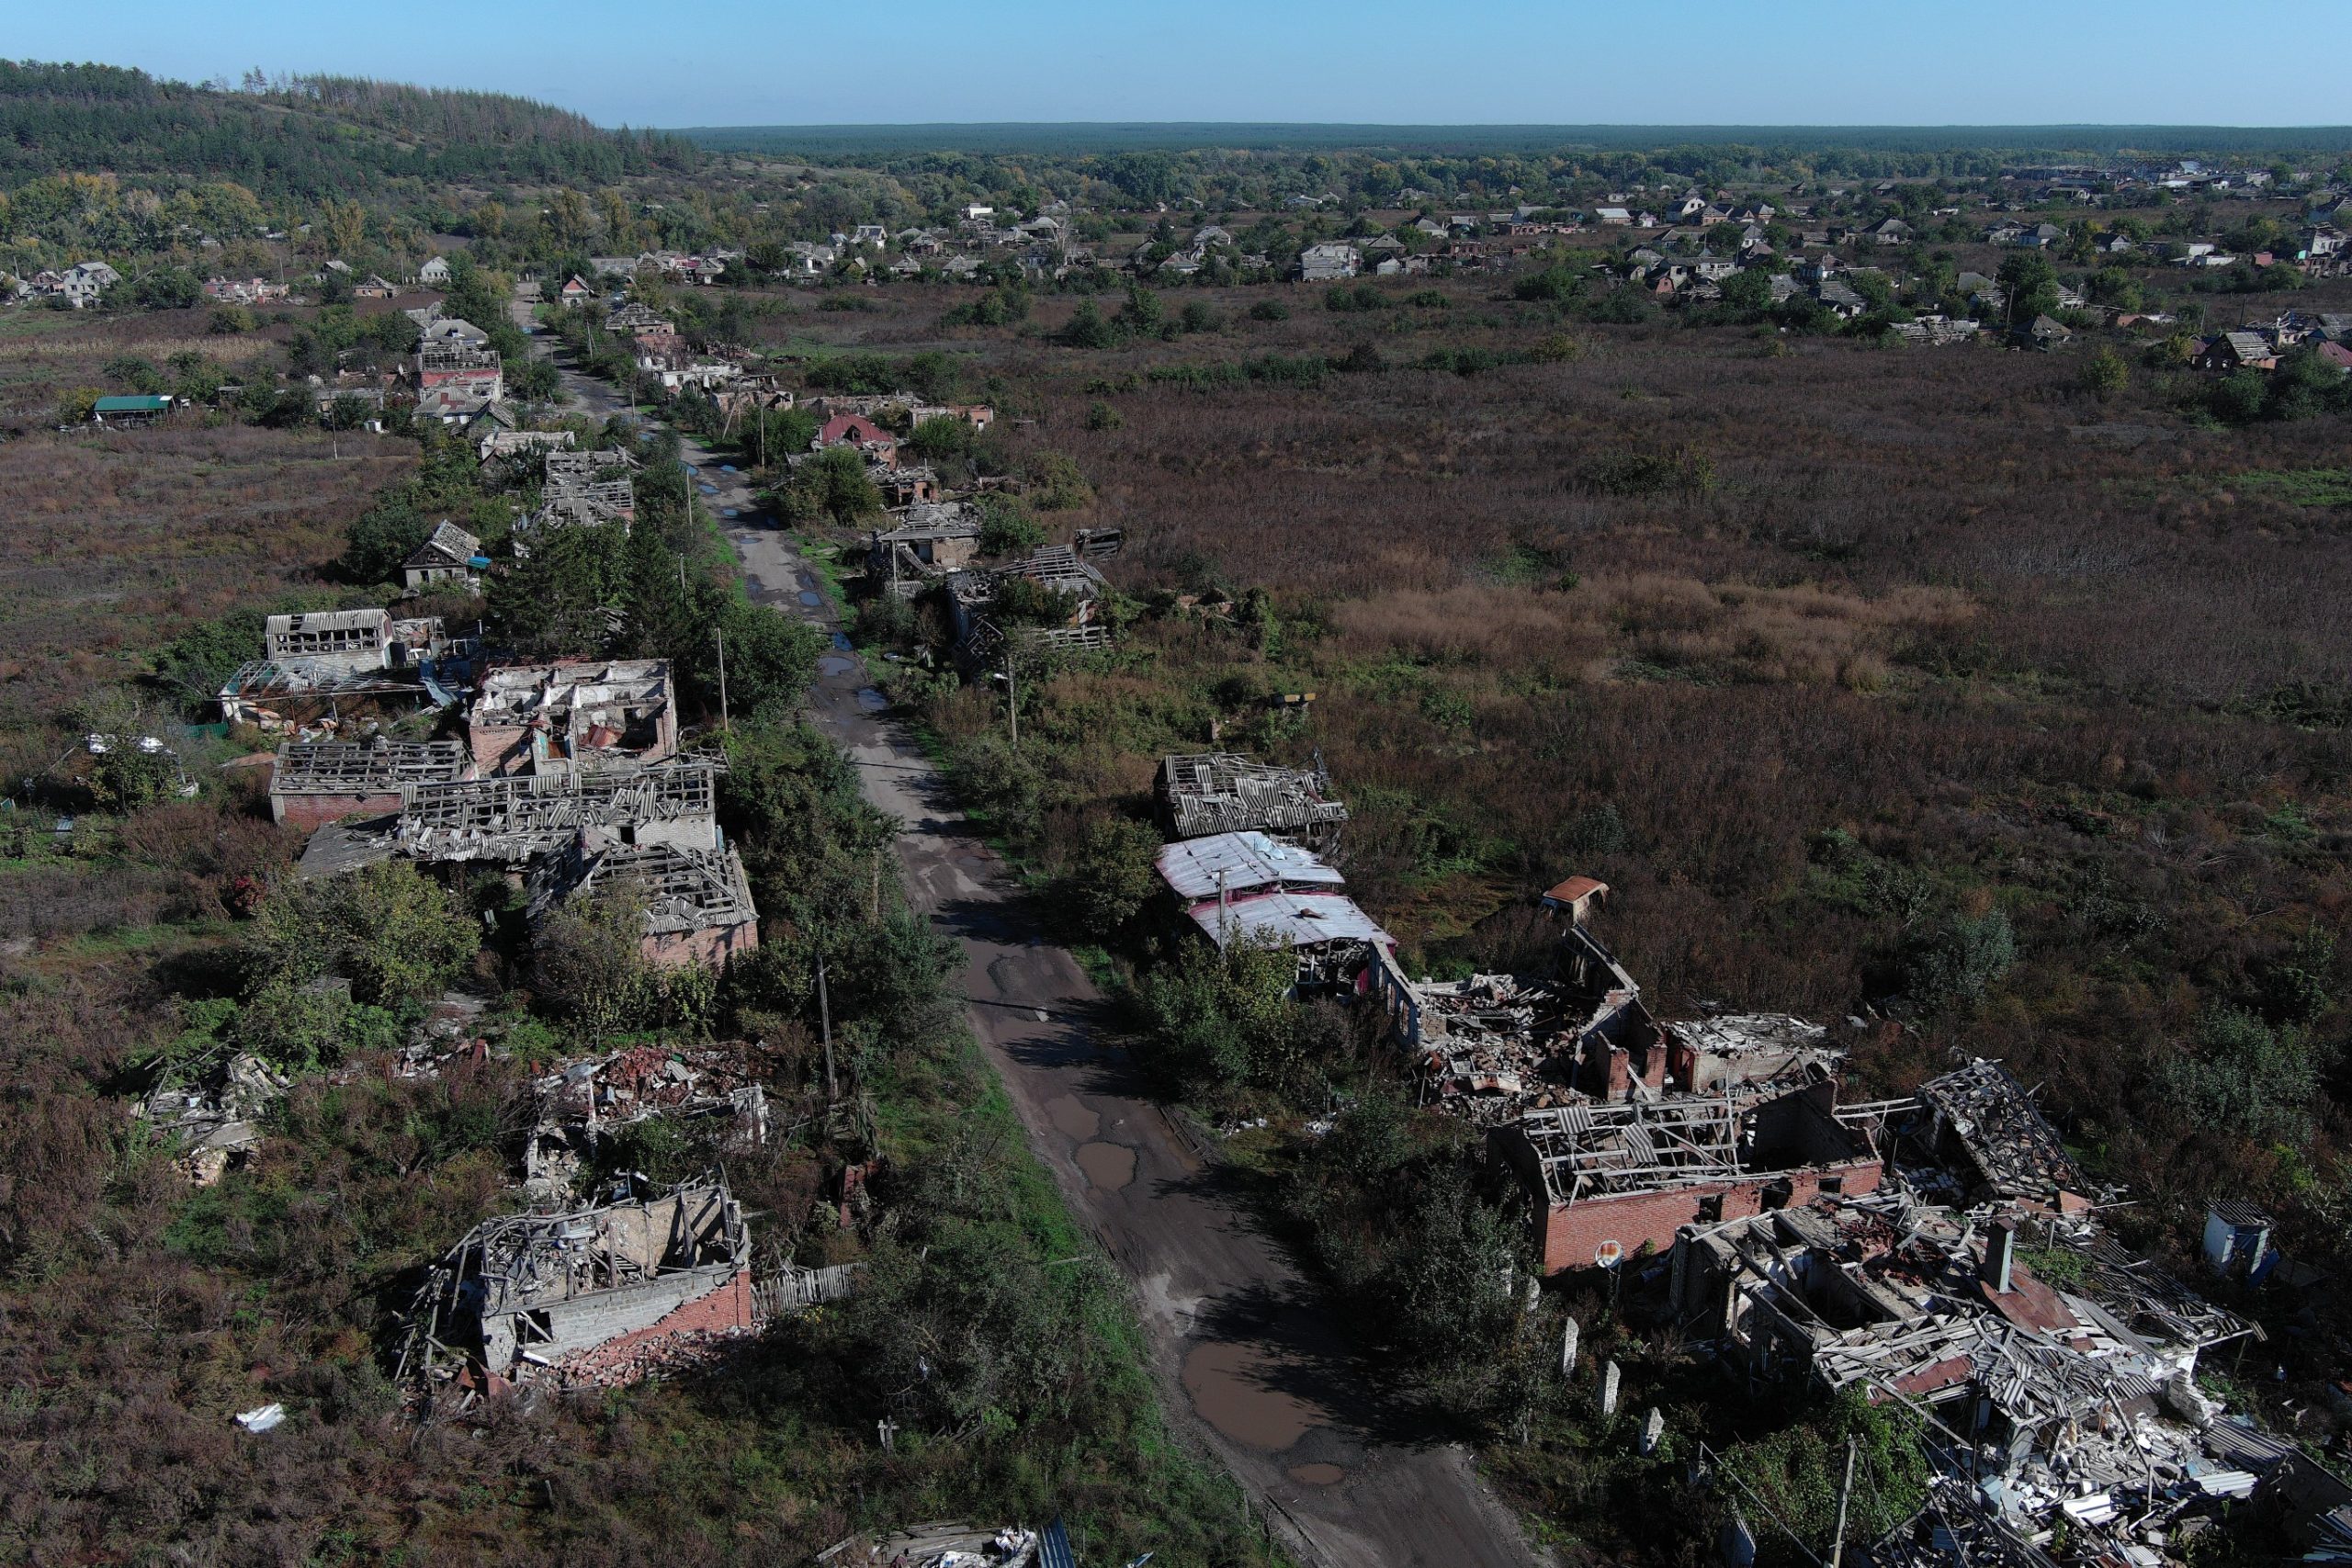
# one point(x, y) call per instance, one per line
point(1238, 1339)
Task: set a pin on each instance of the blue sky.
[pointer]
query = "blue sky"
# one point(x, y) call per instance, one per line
point(1472, 62)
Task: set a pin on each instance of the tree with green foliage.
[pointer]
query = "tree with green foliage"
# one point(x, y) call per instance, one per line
point(833, 486)
point(2257, 1080)
point(2031, 283)
point(562, 600)
point(1087, 329)
point(2105, 374)
point(1054, 483)
point(396, 934)
point(1006, 529)
point(1110, 875)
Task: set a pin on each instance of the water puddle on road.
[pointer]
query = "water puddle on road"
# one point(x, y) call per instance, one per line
point(1229, 1386)
point(840, 640)
point(871, 700)
point(831, 665)
point(1316, 1475)
point(1107, 1166)
point(811, 596)
point(1074, 1120)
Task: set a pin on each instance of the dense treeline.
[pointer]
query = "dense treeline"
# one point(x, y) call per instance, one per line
point(294, 138)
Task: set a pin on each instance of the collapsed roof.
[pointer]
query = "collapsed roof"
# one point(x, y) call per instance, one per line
point(1229, 793)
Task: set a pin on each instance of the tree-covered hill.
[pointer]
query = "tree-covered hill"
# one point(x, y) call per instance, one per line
point(305, 137)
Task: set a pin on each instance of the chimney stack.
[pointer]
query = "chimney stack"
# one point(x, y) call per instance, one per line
point(2000, 1257)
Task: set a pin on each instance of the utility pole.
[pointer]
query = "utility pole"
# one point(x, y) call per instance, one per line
point(1845, 1493)
point(724, 721)
point(825, 1020)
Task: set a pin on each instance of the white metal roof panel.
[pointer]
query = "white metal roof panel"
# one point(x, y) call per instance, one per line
point(1247, 861)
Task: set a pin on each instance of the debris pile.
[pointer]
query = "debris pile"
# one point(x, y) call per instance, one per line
point(213, 1108)
point(579, 1102)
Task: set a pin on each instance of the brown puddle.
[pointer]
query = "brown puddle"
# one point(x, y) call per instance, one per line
point(1074, 1120)
point(1229, 1387)
point(1316, 1475)
point(1107, 1166)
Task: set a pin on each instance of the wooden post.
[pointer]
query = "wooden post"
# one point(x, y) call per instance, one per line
point(724, 722)
point(1845, 1492)
point(825, 1020)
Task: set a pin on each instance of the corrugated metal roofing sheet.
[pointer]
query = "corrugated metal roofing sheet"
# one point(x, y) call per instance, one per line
point(1287, 919)
point(1248, 862)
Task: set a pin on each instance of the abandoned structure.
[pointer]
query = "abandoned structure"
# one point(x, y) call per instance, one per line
point(2055, 1369)
point(698, 903)
point(1607, 1179)
point(352, 640)
point(1227, 793)
point(1333, 940)
point(317, 782)
point(581, 489)
point(1230, 865)
point(519, 817)
point(311, 662)
point(1983, 1137)
point(547, 1298)
point(449, 555)
point(570, 715)
point(579, 1103)
point(932, 538)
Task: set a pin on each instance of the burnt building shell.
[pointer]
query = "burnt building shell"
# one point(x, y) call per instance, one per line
point(574, 713)
point(697, 904)
point(1630, 1174)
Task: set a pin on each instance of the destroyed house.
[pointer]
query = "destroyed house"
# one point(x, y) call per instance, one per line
point(579, 1104)
point(1608, 1179)
point(573, 714)
point(316, 661)
point(1224, 865)
point(546, 1297)
point(698, 903)
point(519, 817)
point(449, 555)
point(1227, 793)
point(455, 364)
point(2064, 1400)
point(1982, 1125)
point(1334, 941)
point(1490, 1047)
point(355, 640)
point(929, 540)
point(323, 781)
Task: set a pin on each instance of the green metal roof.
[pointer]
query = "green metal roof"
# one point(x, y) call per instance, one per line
point(142, 403)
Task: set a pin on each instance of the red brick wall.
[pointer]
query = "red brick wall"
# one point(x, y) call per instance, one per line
point(316, 810)
point(727, 1310)
point(672, 949)
point(1571, 1231)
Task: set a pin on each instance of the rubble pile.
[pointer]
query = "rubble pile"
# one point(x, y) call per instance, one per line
point(579, 1102)
point(213, 1107)
point(637, 1357)
point(1495, 1045)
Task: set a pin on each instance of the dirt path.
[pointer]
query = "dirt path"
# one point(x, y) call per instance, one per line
point(1237, 1337)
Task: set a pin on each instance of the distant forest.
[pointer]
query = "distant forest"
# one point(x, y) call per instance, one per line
point(304, 136)
point(854, 143)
